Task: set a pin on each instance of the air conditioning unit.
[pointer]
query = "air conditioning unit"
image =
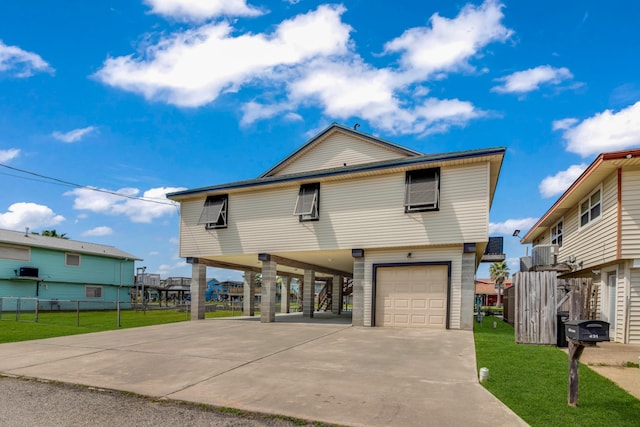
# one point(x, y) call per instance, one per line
point(545, 255)
point(525, 264)
point(28, 272)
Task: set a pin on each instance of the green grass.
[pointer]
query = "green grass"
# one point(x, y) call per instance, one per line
point(532, 381)
point(56, 324)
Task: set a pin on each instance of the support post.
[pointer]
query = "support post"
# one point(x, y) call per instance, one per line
point(358, 288)
point(575, 348)
point(336, 295)
point(198, 290)
point(268, 296)
point(308, 300)
point(285, 293)
point(249, 294)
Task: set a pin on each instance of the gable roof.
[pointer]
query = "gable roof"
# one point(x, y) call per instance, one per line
point(331, 130)
point(495, 155)
point(67, 245)
point(597, 171)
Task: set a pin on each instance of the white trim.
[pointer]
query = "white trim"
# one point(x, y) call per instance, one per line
point(588, 198)
point(561, 220)
point(28, 249)
point(66, 259)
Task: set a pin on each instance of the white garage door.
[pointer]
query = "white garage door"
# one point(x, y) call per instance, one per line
point(413, 296)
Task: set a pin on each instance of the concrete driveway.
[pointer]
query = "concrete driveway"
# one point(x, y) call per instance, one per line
point(323, 370)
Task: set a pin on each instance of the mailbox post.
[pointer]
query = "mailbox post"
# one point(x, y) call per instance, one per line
point(580, 333)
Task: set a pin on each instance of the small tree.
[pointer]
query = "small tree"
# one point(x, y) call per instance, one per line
point(52, 233)
point(499, 271)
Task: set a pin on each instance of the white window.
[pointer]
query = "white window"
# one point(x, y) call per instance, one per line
point(214, 212)
point(591, 207)
point(93, 291)
point(556, 233)
point(15, 253)
point(72, 260)
point(422, 190)
point(308, 202)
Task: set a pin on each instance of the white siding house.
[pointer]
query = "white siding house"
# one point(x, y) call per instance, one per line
point(409, 229)
point(599, 218)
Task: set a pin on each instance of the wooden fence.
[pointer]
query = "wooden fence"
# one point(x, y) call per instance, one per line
point(537, 299)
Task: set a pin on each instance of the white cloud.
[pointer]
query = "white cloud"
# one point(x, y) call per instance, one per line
point(448, 44)
point(10, 154)
point(510, 225)
point(531, 79)
point(73, 135)
point(563, 124)
point(310, 60)
point(200, 10)
point(558, 183)
point(21, 63)
point(193, 67)
point(167, 269)
point(606, 131)
point(32, 215)
point(99, 231)
point(155, 206)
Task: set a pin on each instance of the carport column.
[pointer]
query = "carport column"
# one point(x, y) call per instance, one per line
point(357, 310)
point(308, 301)
point(285, 291)
point(198, 289)
point(467, 293)
point(336, 295)
point(249, 294)
point(268, 296)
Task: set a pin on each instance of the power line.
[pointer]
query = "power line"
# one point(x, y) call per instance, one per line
point(57, 181)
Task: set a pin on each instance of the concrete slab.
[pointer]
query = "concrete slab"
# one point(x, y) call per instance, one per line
point(321, 370)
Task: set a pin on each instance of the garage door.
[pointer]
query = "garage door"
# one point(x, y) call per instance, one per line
point(413, 296)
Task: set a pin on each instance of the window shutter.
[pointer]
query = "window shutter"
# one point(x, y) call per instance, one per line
point(307, 201)
point(422, 190)
point(214, 211)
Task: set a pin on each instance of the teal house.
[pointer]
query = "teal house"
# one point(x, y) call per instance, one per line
point(61, 272)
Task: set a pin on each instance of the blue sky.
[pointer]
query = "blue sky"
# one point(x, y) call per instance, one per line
point(144, 97)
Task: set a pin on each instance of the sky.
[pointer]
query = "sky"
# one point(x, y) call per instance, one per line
point(105, 106)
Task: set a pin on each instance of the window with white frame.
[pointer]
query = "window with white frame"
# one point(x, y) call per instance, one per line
point(422, 190)
point(93, 291)
point(72, 260)
point(214, 212)
point(308, 202)
point(15, 253)
point(591, 207)
point(556, 233)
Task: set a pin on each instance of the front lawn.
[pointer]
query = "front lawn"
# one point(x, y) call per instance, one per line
point(532, 381)
point(56, 324)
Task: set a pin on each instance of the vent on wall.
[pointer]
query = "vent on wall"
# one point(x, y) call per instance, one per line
point(28, 272)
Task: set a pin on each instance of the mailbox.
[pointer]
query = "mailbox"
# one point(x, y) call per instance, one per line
point(587, 330)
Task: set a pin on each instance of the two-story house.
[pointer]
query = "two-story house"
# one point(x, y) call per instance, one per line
point(408, 228)
point(50, 268)
point(594, 227)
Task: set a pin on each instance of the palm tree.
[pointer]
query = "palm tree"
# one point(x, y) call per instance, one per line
point(499, 271)
point(52, 233)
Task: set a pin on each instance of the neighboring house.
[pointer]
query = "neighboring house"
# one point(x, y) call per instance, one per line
point(53, 268)
point(486, 292)
point(594, 229)
point(410, 229)
point(213, 290)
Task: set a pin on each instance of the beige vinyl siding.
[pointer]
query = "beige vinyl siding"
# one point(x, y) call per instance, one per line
point(336, 150)
point(366, 212)
point(630, 214)
point(595, 243)
point(438, 254)
point(634, 307)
